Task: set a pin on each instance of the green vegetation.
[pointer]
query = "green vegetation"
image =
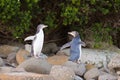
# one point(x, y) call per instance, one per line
point(99, 16)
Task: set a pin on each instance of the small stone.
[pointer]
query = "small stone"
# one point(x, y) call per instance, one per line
point(92, 74)
point(78, 78)
point(36, 65)
point(62, 73)
point(79, 69)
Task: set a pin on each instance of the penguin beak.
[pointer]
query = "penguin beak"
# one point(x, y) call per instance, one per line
point(71, 33)
point(45, 26)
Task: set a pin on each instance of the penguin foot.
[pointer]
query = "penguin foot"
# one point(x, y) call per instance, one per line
point(78, 61)
point(36, 56)
point(41, 57)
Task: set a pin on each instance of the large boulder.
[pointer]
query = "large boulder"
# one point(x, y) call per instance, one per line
point(92, 74)
point(24, 76)
point(36, 65)
point(79, 69)
point(57, 59)
point(114, 64)
point(5, 50)
point(22, 55)
point(62, 73)
point(99, 58)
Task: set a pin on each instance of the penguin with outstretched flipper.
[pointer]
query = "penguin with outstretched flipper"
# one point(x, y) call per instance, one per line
point(38, 40)
point(75, 47)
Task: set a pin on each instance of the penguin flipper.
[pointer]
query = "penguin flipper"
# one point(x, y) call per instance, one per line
point(82, 43)
point(65, 45)
point(29, 38)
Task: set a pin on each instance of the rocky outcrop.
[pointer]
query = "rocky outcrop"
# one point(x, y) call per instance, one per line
point(57, 67)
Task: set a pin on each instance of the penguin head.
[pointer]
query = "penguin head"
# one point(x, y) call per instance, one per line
point(73, 33)
point(41, 26)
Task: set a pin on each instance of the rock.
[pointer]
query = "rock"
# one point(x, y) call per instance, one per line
point(24, 76)
point(92, 74)
point(114, 64)
point(119, 78)
point(1, 62)
point(22, 55)
point(28, 47)
point(107, 77)
point(5, 69)
point(99, 58)
point(118, 72)
point(62, 73)
point(64, 52)
point(90, 79)
point(36, 65)
point(48, 49)
point(57, 59)
point(89, 66)
point(79, 69)
point(6, 49)
point(11, 69)
point(78, 78)
point(11, 58)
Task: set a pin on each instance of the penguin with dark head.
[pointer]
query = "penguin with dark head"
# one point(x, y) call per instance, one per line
point(75, 47)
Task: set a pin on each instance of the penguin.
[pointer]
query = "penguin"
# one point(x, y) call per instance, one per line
point(75, 47)
point(37, 41)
